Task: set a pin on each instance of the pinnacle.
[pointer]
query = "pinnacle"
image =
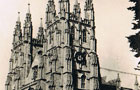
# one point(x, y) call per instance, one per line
point(136, 82)
point(118, 77)
point(28, 7)
point(41, 24)
point(18, 17)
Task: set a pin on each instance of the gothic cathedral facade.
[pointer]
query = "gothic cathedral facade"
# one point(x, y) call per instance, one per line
point(63, 56)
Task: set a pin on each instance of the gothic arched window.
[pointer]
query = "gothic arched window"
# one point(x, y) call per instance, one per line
point(31, 88)
point(83, 78)
point(72, 33)
point(35, 72)
point(84, 35)
point(50, 37)
point(40, 88)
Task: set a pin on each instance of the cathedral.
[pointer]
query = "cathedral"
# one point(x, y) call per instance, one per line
point(63, 56)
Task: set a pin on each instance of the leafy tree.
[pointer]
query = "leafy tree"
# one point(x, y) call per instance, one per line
point(134, 40)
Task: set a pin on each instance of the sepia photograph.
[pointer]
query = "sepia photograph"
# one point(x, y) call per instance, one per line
point(69, 44)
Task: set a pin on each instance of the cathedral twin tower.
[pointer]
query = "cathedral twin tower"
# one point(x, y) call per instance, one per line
point(61, 57)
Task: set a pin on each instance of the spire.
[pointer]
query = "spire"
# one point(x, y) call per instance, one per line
point(28, 14)
point(118, 82)
point(40, 35)
point(41, 24)
point(28, 8)
point(118, 78)
point(17, 31)
point(136, 82)
point(28, 28)
point(77, 10)
point(18, 17)
point(18, 23)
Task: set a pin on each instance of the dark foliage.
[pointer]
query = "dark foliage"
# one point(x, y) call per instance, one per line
point(134, 40)
point(135, 43)
point(136, 9)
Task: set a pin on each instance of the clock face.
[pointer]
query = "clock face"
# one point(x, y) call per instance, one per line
point(80, 57)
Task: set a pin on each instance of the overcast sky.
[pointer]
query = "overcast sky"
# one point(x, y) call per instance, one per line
point(113, 24)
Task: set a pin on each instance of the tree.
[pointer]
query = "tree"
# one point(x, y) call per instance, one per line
point(134, 40)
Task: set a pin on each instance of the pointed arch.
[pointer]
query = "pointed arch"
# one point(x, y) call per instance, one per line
point(83, 79)
point(72, 35)
point(84, 35)
point(72, 32)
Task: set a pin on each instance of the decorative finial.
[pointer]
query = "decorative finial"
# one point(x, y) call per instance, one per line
point(28, 7)
point(18, 17)
point(41, 24)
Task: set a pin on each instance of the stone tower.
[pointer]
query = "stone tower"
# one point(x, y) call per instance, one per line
point(63, 56)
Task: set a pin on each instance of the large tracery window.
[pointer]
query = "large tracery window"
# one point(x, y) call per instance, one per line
point(84, 35)
point(83, 78)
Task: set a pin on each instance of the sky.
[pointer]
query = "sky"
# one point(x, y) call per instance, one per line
point(113, 25)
